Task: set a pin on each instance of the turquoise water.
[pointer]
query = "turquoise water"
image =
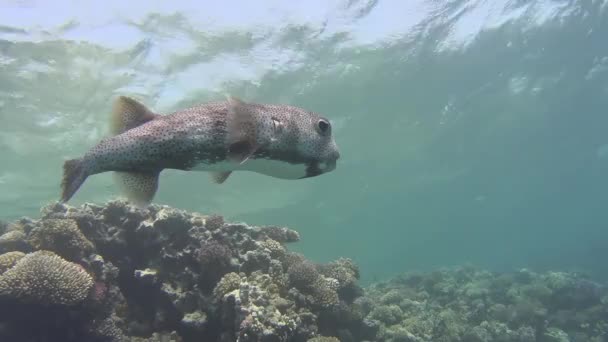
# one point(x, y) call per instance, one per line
point(470, 131)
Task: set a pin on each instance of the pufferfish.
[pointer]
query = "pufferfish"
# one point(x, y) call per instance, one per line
point(276, 140)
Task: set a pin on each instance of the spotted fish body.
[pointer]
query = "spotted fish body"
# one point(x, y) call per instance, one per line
point(280, 141)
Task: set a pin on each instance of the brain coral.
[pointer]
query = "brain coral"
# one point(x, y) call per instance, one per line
point(46, 278)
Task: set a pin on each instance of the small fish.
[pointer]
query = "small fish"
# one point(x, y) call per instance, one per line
point(280, 141)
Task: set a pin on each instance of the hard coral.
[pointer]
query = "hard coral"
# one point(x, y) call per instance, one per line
point(214, 222)
point(106, 330)
point(13, 240)
point(324, 292)
point(255, 309)
point(228, 283)
point(303, 275)
point(8, 260)
point(214, 258)
point(274, 248)
point(46, 278)
point(280, 234)
point(61, 236)
point(323, 339)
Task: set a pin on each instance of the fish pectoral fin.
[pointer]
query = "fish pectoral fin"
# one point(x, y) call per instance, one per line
point(139, 187)
point(220, 177)
point(241, 129)
point(240, 151)
point(128, 113)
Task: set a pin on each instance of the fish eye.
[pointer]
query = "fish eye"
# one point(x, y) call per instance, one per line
point(323, 126)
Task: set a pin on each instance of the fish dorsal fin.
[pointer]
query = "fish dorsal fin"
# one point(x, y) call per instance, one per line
point(220, 177)
point(138, 187)
point(128, 113)
point(241, 130)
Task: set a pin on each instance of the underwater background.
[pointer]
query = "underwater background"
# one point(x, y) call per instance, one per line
point(471, 132)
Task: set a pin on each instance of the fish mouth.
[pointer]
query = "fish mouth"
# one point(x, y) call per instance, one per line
point(317, 168)
point(328, 166)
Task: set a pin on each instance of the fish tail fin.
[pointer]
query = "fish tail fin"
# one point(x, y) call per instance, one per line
point(128, 113)
point(74, 174)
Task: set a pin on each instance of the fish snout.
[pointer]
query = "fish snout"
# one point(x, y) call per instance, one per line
point(331, 161)
point(329, 165)
point(335, 155)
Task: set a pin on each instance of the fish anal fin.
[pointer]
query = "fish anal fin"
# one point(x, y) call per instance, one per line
point(241, 130)
point(128, 113)
point(220, 177)
point(138, 187)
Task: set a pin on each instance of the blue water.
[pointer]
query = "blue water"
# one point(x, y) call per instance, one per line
point(470, 131)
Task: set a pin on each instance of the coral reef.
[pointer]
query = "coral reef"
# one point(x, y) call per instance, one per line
point(466, 304)
point(116, 272)
point(119, 273)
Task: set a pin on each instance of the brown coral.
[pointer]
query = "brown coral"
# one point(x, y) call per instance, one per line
point(8, 260)
point(280, 234)
point(323, 339)
point(324, 292)
point(46, 278)
point(344, 270)
point(13, 240)
point(215, 261)
point(61, 236)
point(303, 275)
point(275, 248)
point(227, 284)
point(214, 222)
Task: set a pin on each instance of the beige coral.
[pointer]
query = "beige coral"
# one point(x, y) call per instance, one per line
point(46, 278)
